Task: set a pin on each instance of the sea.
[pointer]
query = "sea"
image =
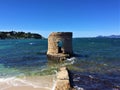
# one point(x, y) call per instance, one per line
point(94, 66)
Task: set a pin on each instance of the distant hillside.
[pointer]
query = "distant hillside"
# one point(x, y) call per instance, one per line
point(111, 36)
point(19, 35)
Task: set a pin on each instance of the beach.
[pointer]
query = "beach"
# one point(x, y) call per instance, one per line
point(29, 83)
point(25, 88)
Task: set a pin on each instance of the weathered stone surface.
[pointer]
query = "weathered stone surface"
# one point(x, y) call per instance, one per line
point(63, 80)
point(63, 85)
point(59, 57)
point(60, 45)
point(63, 74)
point(63, 68)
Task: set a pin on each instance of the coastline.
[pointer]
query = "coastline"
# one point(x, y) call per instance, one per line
point(29, 83)
point(25, 88)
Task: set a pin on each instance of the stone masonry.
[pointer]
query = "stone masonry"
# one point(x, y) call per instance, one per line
point(63, 80)
point(59, 45)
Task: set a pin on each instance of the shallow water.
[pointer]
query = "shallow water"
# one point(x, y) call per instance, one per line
point(31, 82)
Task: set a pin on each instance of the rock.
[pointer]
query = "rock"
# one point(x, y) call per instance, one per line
point(63, 75)
point(63, 85)
point(63, 68)
point(63, 80)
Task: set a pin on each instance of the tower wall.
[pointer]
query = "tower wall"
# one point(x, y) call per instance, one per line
point(63, 38)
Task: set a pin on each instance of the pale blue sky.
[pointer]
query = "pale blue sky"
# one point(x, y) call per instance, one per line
point(85, 18)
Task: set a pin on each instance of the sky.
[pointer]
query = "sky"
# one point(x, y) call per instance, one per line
point(85, 18)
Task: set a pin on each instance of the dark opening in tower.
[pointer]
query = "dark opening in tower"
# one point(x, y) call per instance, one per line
point(60, 45)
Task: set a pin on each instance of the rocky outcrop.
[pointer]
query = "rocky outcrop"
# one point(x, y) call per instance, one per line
point(63, 80)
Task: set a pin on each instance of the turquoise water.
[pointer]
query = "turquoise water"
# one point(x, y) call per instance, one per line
point(28, 57)
point(22, 57)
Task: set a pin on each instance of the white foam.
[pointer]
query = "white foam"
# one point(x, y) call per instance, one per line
point(70, 61)
point(54, 85)
point(31, 43)
point(13, 81)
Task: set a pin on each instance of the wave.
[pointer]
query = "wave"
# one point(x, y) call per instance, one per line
point(70, 61)
point(31, 43)
point(54, 85)
point(47, 82)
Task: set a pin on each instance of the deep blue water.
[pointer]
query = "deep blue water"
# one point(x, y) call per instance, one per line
point(97, 65)
point(94, 56)
point(97, 54)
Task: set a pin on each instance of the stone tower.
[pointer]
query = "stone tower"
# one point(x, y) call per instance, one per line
point(59, 45)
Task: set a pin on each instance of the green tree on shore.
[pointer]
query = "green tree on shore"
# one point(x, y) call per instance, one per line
point(19, 35)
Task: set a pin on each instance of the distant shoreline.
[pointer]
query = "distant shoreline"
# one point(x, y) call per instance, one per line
point(111, 36)
point(20, 35)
